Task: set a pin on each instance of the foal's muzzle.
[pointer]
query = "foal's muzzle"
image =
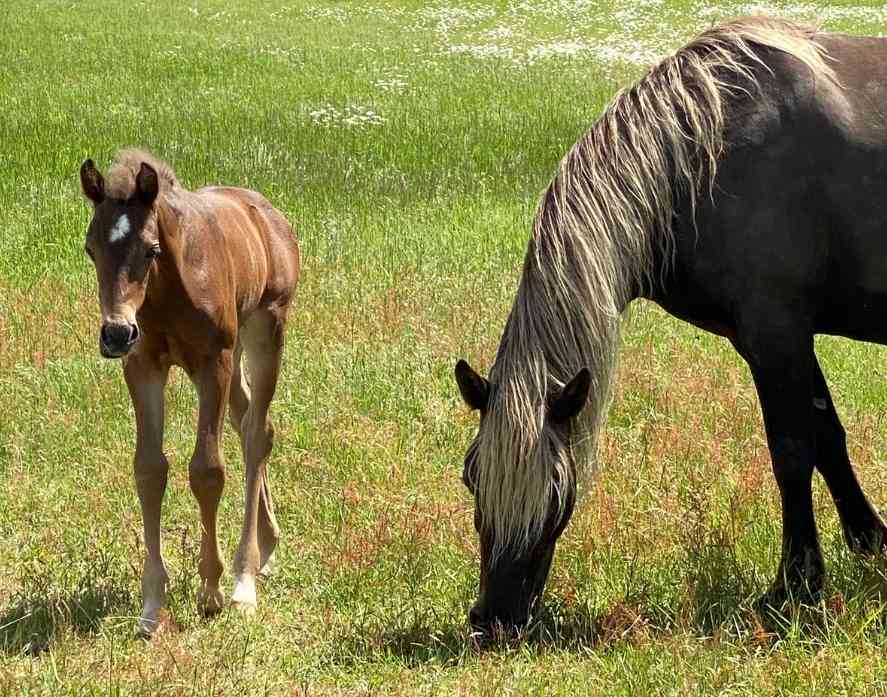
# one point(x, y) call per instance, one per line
point(117, 338)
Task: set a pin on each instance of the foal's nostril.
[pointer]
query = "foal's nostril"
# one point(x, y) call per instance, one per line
point(107, 336)
point(117, 337)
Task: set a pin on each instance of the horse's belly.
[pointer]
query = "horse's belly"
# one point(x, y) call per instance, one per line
point(856, 314)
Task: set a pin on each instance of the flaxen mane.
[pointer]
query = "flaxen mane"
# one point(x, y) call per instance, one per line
point(121, 176)
point(602, 221)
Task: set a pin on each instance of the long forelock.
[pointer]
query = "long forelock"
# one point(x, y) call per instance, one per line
point(531, 468)
point(121, 176)
point(604, 219)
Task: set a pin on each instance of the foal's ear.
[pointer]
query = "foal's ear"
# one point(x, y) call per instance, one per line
point(475, 389)
point(569, 402)
point(147, 185)
point(92, 182)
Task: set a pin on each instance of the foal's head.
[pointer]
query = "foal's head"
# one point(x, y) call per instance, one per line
point(123, 242)
point(523, 479)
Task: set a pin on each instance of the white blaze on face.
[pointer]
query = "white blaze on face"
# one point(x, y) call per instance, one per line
point(120, 230)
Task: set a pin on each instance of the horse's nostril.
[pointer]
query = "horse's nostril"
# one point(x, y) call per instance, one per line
point(133, 333)
point(476, 616)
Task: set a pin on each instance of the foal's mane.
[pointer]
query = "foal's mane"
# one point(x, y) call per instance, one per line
point(601, 224)
point(121, 176)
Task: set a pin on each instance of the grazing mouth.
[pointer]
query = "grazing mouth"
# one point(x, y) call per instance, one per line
point(505, 626)
point(492, 631)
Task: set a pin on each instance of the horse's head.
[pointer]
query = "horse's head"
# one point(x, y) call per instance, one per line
point(123, 242)
point(524, 488)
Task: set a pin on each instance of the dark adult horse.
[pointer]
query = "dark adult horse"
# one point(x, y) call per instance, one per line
point(741, 185)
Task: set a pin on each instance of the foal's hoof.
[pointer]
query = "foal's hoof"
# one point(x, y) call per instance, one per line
point(147, 628)
point(268, 567)
point(210, 602)
point(154, 624)
point(243, 599)
point(780, 601)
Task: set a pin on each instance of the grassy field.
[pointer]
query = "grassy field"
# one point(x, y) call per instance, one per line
point(408, 143)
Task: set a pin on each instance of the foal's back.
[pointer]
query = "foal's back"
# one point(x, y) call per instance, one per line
point(238, 244)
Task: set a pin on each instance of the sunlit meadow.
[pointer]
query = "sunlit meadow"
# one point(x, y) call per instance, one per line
point(408, 143)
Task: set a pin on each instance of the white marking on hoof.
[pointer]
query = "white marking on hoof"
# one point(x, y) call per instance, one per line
point(154, 580)
point(268, 568)
point(152, 622)
point(147, 627)
point(820, 403)
point(244, 596)
point(120, 230)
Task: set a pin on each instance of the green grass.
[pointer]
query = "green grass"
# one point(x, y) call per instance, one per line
point(413, 231)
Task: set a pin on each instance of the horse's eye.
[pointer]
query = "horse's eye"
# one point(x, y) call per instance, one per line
point(153, 252)
point(89, 253)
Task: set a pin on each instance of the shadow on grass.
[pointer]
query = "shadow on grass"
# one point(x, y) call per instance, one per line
point(413, 645)
point(712, 600)
point(422, 642)
point(29, 622)
point(51, 600)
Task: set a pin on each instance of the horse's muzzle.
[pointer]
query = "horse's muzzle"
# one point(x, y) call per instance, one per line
point(117, 338)
point(485, 623)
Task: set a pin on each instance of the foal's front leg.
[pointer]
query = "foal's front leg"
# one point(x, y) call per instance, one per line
point(146, 380)
point(206, 473)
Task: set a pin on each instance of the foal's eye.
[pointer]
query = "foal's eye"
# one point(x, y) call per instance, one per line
point(153, 252)
point(89, 253)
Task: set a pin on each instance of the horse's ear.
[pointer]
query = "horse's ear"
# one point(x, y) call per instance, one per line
point(92, 182)
point(570, 400)
point(147, 184)
point(475, 389)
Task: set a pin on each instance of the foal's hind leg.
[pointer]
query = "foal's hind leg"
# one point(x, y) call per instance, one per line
point(262, 336)
point(146, 381)
point(780, 355)
point(268, 532)
point(238, 400)
point(863, 528)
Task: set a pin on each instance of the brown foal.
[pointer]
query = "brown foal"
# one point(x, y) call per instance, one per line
point(194, 279)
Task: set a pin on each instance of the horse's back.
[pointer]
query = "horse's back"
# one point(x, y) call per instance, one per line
point(799, 211)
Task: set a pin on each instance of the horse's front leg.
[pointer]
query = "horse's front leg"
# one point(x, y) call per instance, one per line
point(206, 472)
point(782, 362)
point(146, 380)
